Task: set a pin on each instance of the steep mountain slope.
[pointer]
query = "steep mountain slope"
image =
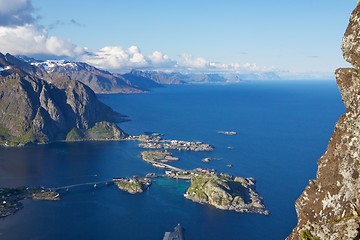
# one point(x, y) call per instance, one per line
point(329, 208)
point(38, 111)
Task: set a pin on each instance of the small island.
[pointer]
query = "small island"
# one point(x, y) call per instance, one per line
point(209, 159)
point(158, 156)
point(11, 197)
point(231, 133)
point(154, 141)
point(133, 185)
point(46, 195)
point(225, 192)
point(222, 191)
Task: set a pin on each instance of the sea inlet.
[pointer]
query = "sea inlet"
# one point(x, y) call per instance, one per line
point(282, 129)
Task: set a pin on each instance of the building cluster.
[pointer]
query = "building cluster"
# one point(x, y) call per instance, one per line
point(156, 142)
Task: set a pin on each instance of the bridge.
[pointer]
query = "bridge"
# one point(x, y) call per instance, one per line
point(111, 182)
point(163, 165)
point(93, 184)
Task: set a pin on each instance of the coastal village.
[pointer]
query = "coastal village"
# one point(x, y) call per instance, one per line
point(154, 141)
point(207, 186)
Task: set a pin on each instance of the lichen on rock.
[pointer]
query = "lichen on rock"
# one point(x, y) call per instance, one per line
point(329, 207)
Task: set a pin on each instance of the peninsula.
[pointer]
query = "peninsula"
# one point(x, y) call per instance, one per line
point(11, 197)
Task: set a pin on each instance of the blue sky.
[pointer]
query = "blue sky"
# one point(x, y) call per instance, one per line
point(294, 37)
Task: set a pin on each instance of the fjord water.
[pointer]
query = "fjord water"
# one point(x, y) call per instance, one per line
point(283, 128)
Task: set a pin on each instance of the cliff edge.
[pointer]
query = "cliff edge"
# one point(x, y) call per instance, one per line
point(329, 207)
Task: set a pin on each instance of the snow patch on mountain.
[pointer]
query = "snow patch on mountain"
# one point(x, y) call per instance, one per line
point(52, 65)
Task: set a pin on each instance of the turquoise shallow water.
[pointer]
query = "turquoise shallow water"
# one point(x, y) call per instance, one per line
point(283, 128)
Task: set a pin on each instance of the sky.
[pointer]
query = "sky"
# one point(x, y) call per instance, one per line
point(291, 38)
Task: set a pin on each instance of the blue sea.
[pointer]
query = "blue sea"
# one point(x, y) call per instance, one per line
point(283, 128)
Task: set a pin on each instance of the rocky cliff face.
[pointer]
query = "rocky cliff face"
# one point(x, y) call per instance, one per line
point(38, 111)
point(329, 208)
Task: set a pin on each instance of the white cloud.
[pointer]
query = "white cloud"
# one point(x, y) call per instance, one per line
point(161, 61)
point(133, 50)
point(187, 60)
point(21, 34)
point(123, 59)
point(158, 57)
point(190, 63)
point(32, 39)
point(253, 67)
point(113, 57)
point(16, 12)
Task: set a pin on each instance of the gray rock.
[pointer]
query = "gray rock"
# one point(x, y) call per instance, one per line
point(329, 208)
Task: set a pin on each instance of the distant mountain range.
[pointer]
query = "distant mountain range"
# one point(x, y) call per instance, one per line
point(135, 81)
point(46, 101)
point(99, 81)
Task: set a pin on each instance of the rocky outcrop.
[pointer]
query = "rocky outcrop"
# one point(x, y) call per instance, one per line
point(100, 131)
point(36, 111)
point(225, 192)
point(132, 185)
point(329, 208)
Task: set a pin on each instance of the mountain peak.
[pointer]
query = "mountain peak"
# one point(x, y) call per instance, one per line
point(53, 65)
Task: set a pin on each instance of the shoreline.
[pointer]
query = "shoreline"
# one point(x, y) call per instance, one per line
point(158, 155)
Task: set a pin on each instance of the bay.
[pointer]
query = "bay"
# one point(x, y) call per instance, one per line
point(283, 128)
